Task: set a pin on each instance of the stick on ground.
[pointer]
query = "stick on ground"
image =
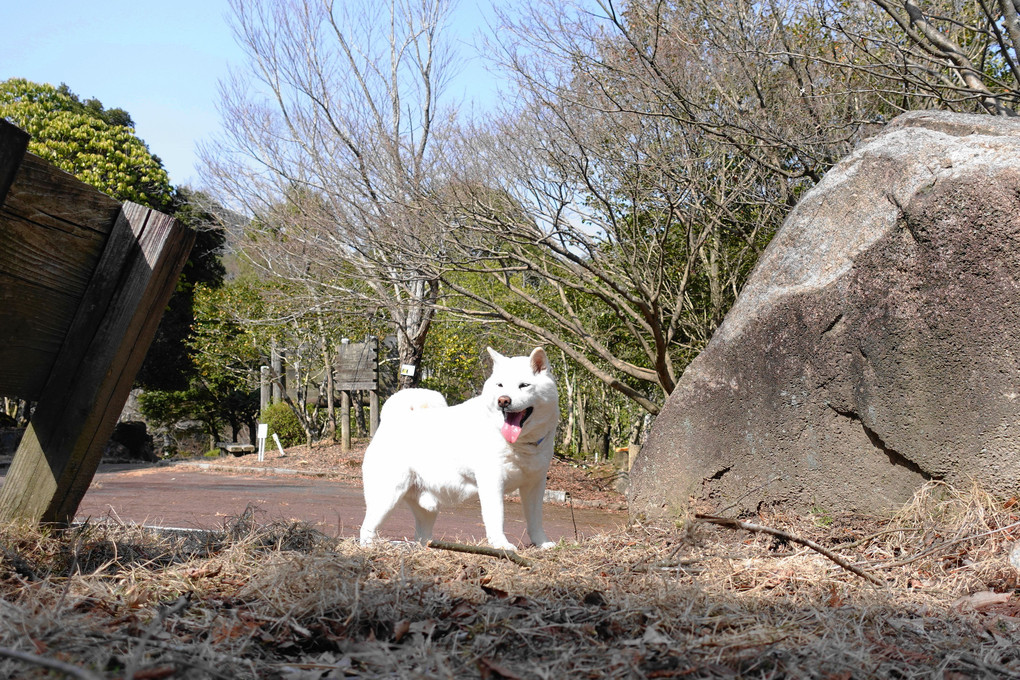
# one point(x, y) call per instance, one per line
point(481, 550)
point(758, 528)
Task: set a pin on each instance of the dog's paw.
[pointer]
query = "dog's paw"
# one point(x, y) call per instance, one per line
point(503, 545)
point(545, 545)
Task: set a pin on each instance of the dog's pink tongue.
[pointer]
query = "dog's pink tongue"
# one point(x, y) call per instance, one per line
point(511, 426)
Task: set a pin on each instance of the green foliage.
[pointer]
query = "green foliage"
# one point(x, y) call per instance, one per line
point(96, 145)
point(168, 364)
point(453, 362)
point(225, 350)
point(164, 408)
point(99, 146)
point(282, 421)
point(821, 516)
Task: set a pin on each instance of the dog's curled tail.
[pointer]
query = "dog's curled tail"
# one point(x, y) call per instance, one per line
point(411, 399)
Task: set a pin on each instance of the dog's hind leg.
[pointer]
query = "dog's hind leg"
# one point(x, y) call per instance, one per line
point(379, 503)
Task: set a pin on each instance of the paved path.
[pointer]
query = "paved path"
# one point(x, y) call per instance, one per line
point(179, 497)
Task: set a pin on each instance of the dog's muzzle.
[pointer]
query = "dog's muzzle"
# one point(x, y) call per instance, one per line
point(513, 421)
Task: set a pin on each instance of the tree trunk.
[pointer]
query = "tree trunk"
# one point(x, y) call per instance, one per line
point(582, 425)
point(358, 400)
point(413, 319)
point(327, 360)
point(410, 359)
point(571, 419)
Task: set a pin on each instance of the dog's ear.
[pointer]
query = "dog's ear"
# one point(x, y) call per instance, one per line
point(539, 360)
point(496, 356)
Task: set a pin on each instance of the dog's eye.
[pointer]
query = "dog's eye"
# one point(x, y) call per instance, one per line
point(523, 385)
point(499, 384)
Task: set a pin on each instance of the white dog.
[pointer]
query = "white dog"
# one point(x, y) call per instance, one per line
point(489, 445)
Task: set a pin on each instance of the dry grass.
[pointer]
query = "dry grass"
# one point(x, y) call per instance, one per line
point(690, 601)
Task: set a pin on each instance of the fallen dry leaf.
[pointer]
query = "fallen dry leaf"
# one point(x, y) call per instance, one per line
point(980, 600)
point(400, 630)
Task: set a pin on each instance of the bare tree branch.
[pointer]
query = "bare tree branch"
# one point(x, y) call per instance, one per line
point(820, 549)
point(331, 143)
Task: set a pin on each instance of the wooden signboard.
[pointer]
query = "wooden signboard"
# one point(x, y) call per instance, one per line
point(357, 366)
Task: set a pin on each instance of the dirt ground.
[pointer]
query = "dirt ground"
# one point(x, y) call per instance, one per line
point(187, 497)
point(588, 485)
point(933, 596)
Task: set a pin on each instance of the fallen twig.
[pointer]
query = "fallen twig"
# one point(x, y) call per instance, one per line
point(570, 499)
point(942, 546)
point(758, 528)
point(52, 664)
point(878, 534)
point(480, 550)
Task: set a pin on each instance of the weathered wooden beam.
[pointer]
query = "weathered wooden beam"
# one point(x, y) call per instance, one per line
point(95, 366)
point(13, 144)
point(53, 228)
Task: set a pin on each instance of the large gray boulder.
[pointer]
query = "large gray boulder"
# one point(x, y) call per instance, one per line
point(875, 346)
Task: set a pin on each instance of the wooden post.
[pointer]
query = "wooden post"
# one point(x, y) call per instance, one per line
point(277, 366)
point(264, 390)
point(330, 383)
point(373, 396)
point(373, 412)
point(85, 391)
point(345, 421)
point(345, 405)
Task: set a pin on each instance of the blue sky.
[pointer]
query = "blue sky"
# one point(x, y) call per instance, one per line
point(159, 61)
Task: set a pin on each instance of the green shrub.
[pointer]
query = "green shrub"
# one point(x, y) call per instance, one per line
point(283, 421)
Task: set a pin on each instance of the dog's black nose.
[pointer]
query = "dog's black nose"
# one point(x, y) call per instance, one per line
point(503, 402)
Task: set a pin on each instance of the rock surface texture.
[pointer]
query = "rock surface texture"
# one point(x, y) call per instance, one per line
point(876, 345)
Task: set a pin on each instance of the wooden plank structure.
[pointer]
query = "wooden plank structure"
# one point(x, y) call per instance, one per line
point(357, 366)
point(84, 280)
point(355, 369)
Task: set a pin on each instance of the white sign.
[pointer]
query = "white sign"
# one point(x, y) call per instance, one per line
point(407, 369)
point(263, 432)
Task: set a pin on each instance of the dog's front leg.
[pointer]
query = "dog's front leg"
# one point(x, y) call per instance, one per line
point(490, 495)
point(532, 496)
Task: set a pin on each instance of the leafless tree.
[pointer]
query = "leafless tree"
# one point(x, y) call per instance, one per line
point(332, 134)
point(650, 158)
point(956, 54)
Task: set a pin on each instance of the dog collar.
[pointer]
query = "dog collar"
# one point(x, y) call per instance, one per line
point(540, 441)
